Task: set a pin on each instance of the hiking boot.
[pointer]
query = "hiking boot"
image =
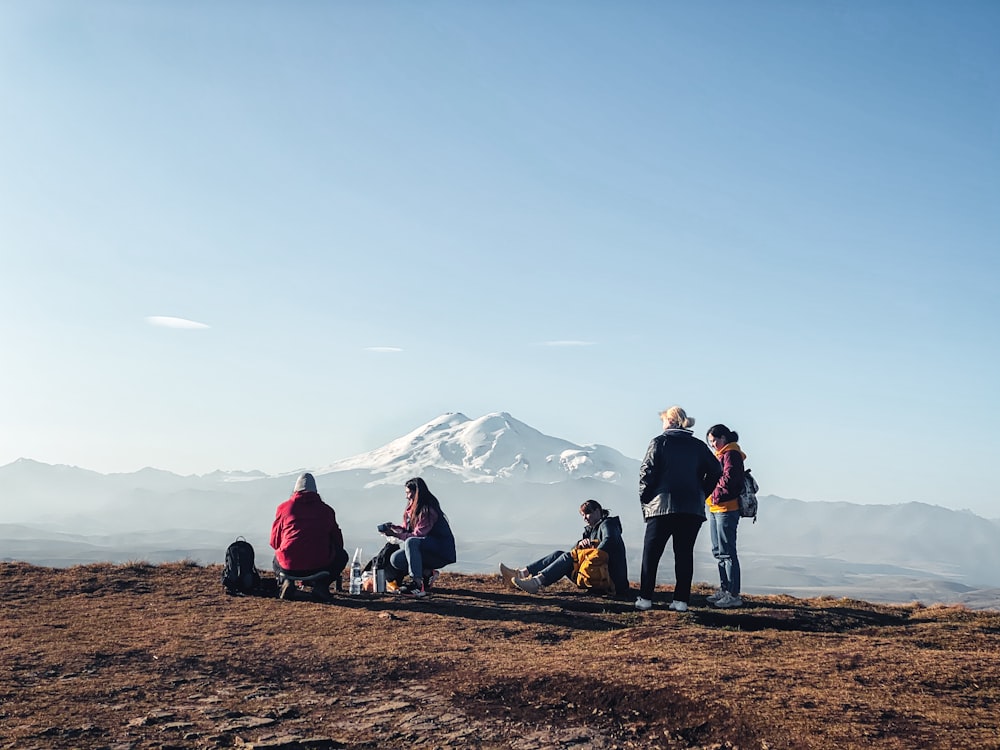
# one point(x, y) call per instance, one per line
point(322, 594)
point(643, 605)
point(677, 606)
point(530, 585)
point(508, 575)
point(413, 588)
point(287, 590)
point(728, 601)
point(714, 597)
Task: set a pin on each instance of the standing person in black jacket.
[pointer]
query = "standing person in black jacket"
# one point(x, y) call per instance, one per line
point(678, 473)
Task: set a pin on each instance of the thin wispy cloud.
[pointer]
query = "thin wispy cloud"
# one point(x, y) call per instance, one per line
point(165, 321)
point(383, 349)
point(567, 343)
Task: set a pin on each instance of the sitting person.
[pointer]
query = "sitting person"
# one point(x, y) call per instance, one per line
point(603, 531)
point(426, 541)
point(306, 540)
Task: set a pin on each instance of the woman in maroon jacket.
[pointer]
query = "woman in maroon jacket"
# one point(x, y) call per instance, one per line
point(306, 538)
point(724, 514)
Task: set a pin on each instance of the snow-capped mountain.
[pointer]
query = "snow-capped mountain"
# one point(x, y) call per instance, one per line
point(495, 447)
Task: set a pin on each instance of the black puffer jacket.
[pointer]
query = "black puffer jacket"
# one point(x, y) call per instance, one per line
point(678, 473)
point(607, 535)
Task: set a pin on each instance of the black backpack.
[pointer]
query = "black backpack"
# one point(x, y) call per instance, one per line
point(239, 575)
point(381, 560)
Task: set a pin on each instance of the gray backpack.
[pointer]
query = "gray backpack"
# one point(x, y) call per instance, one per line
point(748, 498)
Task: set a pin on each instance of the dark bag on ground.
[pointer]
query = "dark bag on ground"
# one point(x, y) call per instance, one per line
point(381, 560)
point(239, 574)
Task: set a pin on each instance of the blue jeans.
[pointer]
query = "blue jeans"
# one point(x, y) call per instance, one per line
point(416, 555)
point(723, 528)
point(552, 567)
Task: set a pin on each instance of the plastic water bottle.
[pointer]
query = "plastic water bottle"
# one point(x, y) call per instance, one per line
point(356, 573)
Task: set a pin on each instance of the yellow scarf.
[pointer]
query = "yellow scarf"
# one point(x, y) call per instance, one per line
point(730, 447)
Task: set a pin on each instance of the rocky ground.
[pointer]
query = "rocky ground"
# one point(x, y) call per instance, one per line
point(141, 656)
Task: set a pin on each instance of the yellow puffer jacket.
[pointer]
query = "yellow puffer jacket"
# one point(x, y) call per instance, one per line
point(590, 569)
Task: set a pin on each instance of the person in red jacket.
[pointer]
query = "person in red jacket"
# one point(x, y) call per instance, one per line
point(306, 539)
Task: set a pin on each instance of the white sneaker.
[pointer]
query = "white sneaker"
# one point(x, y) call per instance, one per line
point(529, 585)
point(677, 606)
point(728, 601)
point(643, 605)
point(508, 575)
point(713, 598)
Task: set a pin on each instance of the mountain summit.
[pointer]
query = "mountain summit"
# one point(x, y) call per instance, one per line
point(491, 448)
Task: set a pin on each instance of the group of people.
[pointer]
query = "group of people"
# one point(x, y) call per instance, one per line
point(681, 478)
point(308, 542)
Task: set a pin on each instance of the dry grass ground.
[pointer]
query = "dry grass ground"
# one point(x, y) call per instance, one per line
point(140, 656)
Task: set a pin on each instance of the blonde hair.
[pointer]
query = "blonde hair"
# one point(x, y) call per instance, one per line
point(675, 416)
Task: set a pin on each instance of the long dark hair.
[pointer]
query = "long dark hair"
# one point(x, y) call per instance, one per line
point(721, 431)
point(424, 499)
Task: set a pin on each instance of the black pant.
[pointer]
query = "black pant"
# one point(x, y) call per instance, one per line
point(683, 527)
point(335, 568)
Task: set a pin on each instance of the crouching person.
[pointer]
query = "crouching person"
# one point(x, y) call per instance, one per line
point(426, 541)
point(603, 533)
point(306, 540)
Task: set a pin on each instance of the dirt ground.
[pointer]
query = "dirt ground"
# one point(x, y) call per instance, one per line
point(142, 656)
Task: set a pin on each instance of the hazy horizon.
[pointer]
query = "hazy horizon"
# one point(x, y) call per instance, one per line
point(412, 466)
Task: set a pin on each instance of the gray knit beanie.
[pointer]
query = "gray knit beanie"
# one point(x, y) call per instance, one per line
point(305, 483)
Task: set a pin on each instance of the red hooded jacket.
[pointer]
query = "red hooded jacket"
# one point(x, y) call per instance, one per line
point(305, 534)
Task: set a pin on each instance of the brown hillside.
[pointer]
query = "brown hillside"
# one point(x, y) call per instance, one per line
point(141, 656)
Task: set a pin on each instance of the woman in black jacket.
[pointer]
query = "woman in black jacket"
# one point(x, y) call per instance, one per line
point(678, 473)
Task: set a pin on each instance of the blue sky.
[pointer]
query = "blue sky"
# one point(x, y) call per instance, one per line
point(780, 215)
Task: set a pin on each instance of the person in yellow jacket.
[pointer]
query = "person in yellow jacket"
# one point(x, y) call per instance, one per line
point(724, 514)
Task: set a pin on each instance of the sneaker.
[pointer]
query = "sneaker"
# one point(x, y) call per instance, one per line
point(677, 606)
point(728, 601)
point(430, 578)
point(508, 575)
point(530, 585)
point(643, 605)
point(287, 590)
point(713, 598)
point(413, 588)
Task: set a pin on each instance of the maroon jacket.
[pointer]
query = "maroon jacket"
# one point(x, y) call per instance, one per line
point(305, 534)
point(726, 495)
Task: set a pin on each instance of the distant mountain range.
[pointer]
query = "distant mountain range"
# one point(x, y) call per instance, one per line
point(512, 493)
